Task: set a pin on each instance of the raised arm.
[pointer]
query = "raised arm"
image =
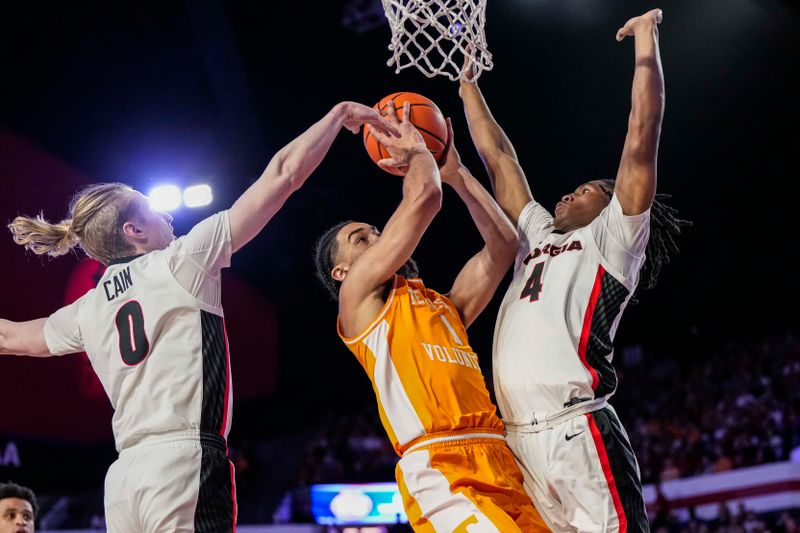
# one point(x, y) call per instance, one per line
point(360, 297)
point(23, 338)
point(499, 157)
point(636, 177)
point(292, 165)
point(478, 280)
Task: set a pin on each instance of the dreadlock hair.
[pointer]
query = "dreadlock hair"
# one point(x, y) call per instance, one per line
point(665, 226)
point(12, 490)
point(325, 250)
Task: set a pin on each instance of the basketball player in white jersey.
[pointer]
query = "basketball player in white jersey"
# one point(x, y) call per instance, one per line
point(154, 332)
point(575, 272)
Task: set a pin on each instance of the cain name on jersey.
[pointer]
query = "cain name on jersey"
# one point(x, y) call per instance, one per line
point(122, 281)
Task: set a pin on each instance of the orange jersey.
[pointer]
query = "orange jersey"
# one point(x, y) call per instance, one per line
point(425, 375)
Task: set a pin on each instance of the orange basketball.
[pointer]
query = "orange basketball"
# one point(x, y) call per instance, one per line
point(424, 115)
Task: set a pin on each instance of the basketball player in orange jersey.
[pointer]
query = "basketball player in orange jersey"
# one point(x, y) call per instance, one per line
point(574, 274)
point(456, 472)
point(154, 332)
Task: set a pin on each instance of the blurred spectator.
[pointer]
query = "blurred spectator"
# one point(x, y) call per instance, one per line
point(697, 412)
point(349, 449)
point(712, 412)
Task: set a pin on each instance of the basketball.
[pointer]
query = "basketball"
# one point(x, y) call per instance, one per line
point(425, 115)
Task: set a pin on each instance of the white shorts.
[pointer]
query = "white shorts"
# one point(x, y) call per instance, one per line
point(582, 474)
point(176, 482)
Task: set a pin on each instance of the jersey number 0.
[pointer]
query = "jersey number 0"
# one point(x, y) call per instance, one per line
point(133, 343)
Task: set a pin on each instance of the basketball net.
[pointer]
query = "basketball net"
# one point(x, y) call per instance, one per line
point(439, 37)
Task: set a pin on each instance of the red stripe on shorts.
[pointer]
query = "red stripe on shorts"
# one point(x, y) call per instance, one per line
point(604, 462)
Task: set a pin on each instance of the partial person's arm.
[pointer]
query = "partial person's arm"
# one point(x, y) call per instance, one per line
point(499, 157)
point(478, 280)
point(292, 165)
point(23, 338)
point(636, 177)
point(360, 297)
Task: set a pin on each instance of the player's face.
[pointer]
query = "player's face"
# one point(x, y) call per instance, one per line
point(353, 240)
point(16, 516)
point(157, 224)
point(580, 207)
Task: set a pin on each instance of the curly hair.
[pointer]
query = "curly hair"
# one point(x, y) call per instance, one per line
point(12, 490)
point(325, 250)
point(665, 226)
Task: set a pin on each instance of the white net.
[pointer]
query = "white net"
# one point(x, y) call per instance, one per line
point(437, 36)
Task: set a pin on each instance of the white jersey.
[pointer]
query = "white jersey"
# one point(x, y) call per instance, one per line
point(154, 332)
point(554, 332)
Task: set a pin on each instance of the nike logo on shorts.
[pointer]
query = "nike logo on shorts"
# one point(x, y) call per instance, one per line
point(570, 437)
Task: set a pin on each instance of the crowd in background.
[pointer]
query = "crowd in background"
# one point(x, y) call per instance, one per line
point(715, 408)
point(726, 407)
point(736, 407)
point(720, 409)
point(738, 520)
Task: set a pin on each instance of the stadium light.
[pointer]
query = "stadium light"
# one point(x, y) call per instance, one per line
point(165, 197)
point(197, 196)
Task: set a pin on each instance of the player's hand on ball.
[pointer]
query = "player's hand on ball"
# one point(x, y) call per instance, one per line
point(355, 115)
point(644, 22)
point(407, 144)
point(450, 163)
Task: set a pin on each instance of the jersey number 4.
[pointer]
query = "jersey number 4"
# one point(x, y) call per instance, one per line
point(534, 284)
point(133, 343)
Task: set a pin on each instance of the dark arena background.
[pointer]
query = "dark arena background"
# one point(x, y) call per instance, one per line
point(206, 92)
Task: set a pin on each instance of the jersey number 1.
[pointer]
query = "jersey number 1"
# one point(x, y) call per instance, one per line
point(534, 284)
point(133, 343)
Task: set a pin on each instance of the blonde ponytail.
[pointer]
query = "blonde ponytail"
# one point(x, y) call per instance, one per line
point(41, 237)
point(96, 215)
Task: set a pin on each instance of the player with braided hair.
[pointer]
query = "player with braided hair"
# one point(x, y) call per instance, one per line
point(575, 272)
point(665, 226)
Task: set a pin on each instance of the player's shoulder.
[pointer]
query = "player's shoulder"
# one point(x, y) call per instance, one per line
point(614, 210)
point(417, 284)
point(209, 232)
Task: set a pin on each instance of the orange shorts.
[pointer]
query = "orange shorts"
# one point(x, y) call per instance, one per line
point(475, 483)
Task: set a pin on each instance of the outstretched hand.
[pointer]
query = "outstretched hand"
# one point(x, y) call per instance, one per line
point(469, 72)
point(406, 144)
point(647, 21)
point(450, 163)
point(356, 115)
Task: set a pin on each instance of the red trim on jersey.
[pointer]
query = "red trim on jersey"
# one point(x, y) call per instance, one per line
point(233, 495)
point(606, 464)
point(587, 325)
point(224, 424)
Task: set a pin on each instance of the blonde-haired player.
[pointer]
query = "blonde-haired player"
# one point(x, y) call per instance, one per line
point(456, 472)
point(154, 332)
